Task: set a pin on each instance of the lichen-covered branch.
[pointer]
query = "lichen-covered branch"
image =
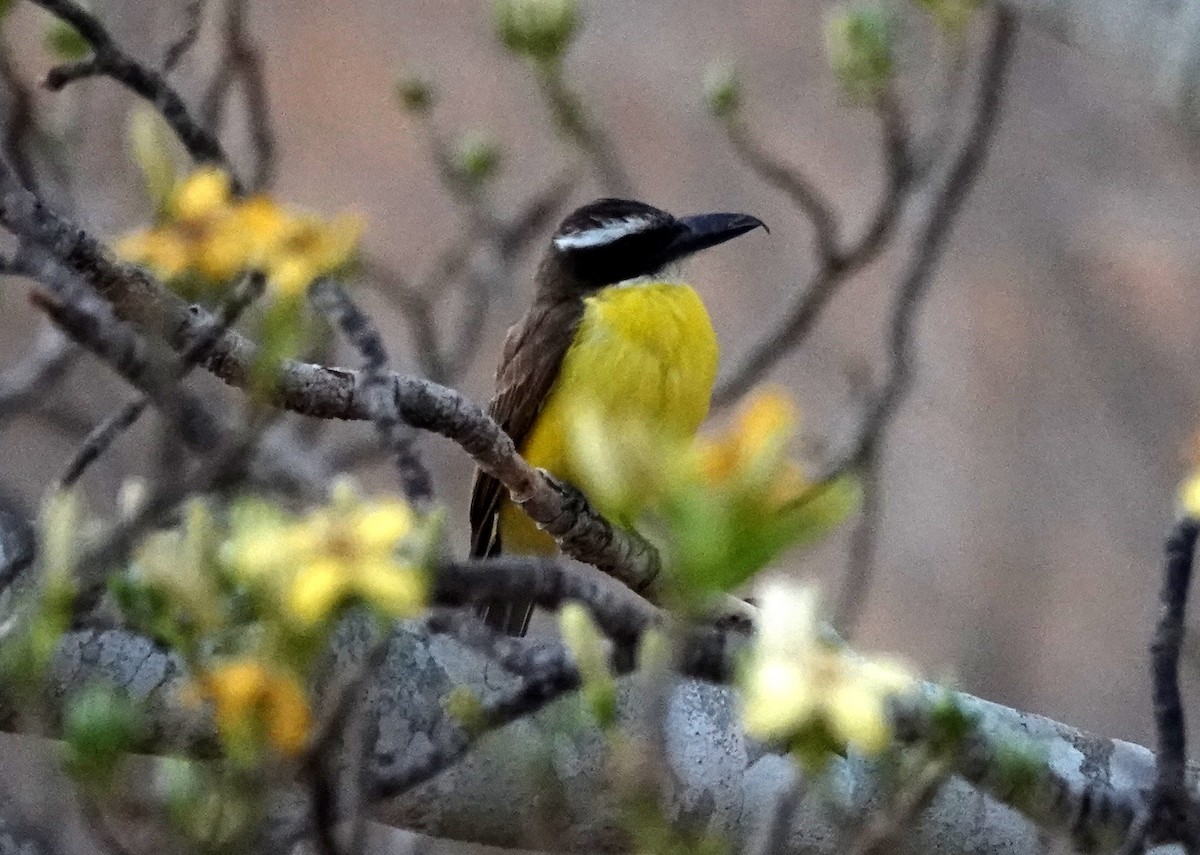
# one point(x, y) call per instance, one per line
point(718, 778)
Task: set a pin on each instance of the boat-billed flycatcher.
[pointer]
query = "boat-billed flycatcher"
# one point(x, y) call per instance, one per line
point(608, 330)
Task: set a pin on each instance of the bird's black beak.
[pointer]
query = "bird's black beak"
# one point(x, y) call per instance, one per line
point(701, 231)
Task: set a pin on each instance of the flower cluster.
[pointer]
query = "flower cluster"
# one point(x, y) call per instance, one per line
point(206, 237)
point(309, 565)
point(247, 595)
point(724, 505)
point(800, 688)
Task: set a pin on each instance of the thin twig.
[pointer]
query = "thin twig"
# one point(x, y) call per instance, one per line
point(881, 833)
point(571, 118)
point(400, 439)
point(102, 436)
point(792, 183)
point(861, 557)
point(178, 49)
point(242, 61)
point(835, 263)
point(90, 322)
point(21, 127)
point(930, 240)
point(111, 60)
point(38, 373)
point(1172, 815)
point(416, 307)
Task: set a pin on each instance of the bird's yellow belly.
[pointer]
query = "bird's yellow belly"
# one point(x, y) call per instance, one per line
point(644, 359)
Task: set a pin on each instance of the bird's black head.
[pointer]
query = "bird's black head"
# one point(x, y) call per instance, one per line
point(612, 240)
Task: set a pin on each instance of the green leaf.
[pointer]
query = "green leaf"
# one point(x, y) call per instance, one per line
point(65, 42)
point(153, 148)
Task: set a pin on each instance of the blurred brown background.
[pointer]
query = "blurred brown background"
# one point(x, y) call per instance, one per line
point(1030, 476)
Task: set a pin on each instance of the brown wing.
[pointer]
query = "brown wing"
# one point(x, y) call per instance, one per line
point(533, 353)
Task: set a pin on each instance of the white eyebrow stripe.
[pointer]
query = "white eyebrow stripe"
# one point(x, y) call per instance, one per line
point(600, 235)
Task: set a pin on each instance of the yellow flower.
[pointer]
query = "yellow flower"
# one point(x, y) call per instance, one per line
point(308, 248)
point(725, 505)
point(317, 588)
point(1189, 496)
point(161, 249)
point(249, 698)
point(314, 563)
point(201, 195)
point(794, 680)
point(754, 444)
point(210, 234)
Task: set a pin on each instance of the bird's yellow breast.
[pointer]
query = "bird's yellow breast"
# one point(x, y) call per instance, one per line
point(644, 354)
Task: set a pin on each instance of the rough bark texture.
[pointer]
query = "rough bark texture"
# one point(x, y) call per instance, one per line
point(541, 782)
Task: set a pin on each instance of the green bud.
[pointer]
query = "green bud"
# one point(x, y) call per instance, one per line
point(65, 42)
point(414, 94)
point(464, 707)
point(722, 89)
point(951, 16)
point(586, 643)
point(477, 156)
point(152, 148)
point(860, 43)
point(540, 30)
point(61, 519)
point(101, 725)
point(1019, 767)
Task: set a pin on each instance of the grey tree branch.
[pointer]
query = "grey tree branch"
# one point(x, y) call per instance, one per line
point(929, 241)
point(101, 437)
point(571, 118)
point(396, 437)
point(30, 379)
point(718, 778)
point(178, 49)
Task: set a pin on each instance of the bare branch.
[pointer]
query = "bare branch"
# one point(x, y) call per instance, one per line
point(333, 301)
point(792, 183)
point(242, 62)
point(934, 229)
point(20, 123)
point(835, 264)
point(178, 49)
point(32, 378)
point(571, 118)
point(100, 438)
point(1172, 814)
point(109, 59)
point(417, 310)
point(90, 322)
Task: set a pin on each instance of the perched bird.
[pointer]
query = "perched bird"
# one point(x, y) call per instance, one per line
point(609, 329)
